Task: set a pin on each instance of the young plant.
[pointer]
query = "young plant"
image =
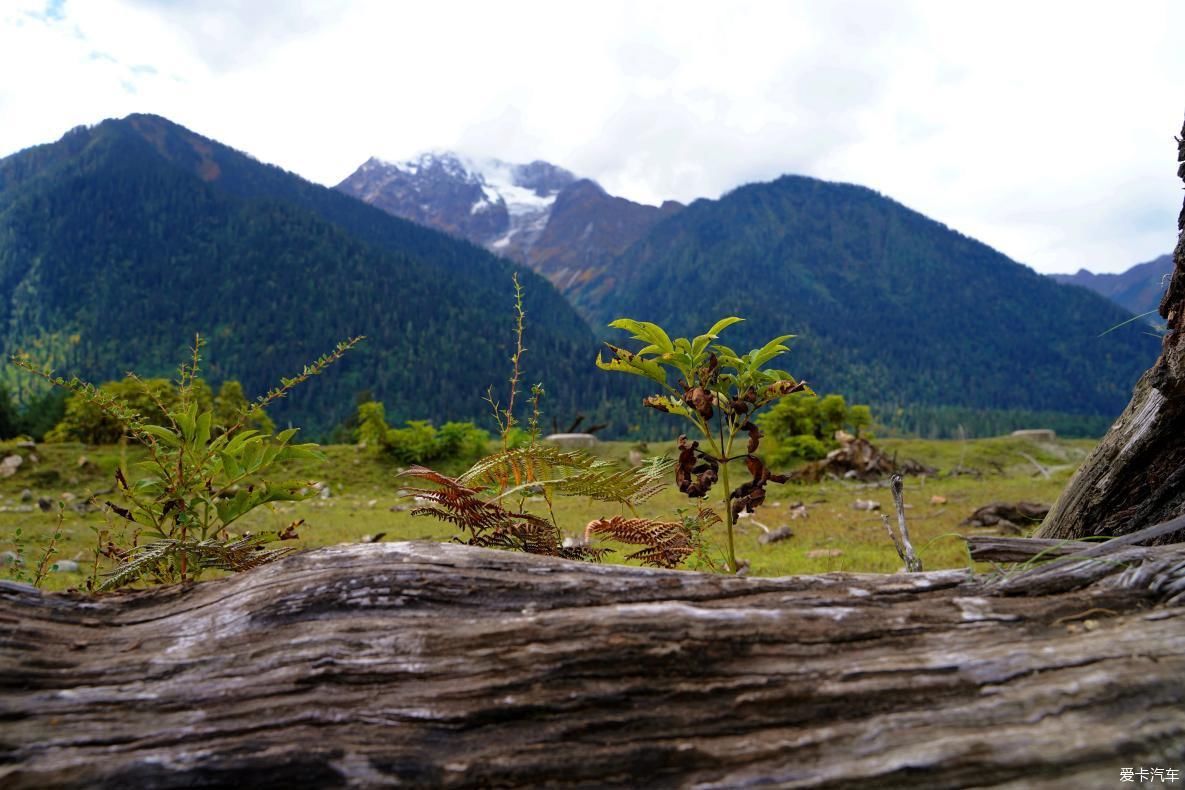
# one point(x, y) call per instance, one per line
point(481, 501)
point(718, 391)
point(199, 479)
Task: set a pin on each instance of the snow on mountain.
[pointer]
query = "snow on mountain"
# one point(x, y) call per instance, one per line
point(502, 205)
point(536, 213)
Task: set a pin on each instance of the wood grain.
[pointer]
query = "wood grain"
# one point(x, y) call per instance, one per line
point(443, 665)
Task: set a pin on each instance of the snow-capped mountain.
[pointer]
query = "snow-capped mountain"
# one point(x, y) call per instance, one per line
point(497, 204)
point(540, 214)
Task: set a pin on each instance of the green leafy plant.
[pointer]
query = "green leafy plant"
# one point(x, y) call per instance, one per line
point(199, 479)
point(718, 391)
point(489, 500)
point(419, 442)
point(19, 572)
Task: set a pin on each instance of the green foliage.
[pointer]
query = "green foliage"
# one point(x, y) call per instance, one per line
point(419, 442)
point(18, 571)
point(803, 425)
point(153, 399)
point(200, 477)
point(719, 391)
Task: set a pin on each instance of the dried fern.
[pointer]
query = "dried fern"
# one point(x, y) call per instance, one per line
point(665, 544)
point(489, 524)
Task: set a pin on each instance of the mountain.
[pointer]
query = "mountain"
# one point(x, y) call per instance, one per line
point(1138, 290)
point(120, 241)
point(538, 214)
point(889, 306)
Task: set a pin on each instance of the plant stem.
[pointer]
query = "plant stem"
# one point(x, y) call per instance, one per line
point(732, 559)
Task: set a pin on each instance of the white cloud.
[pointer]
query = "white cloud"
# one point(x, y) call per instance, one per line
point(1044, 129)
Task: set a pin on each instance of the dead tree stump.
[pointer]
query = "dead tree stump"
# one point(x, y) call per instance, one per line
point(443, 665)
point(1136, 476)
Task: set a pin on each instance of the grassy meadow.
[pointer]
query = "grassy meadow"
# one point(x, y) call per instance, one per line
point(365, 500)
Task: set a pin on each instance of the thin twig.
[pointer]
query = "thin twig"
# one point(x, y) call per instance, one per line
point(1044, 472)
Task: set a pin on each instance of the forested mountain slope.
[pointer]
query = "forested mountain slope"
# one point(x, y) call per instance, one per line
point(890, 307)
point(120, 241)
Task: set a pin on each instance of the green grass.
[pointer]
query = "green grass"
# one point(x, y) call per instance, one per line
point(365, 501)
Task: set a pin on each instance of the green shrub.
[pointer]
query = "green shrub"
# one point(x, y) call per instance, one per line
point(419, 442)
point(803, 425)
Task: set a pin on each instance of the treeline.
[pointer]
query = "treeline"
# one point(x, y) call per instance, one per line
point(953, 422)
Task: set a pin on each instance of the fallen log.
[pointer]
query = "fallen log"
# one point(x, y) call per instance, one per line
point(445, 665)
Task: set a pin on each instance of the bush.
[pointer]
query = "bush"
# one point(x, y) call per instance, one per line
point(152, 399)
point(797, 448)
point(803, 425)
point(419, 442)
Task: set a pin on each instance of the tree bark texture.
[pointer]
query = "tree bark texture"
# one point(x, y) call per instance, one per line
point(424, 664)
point(1136, 476)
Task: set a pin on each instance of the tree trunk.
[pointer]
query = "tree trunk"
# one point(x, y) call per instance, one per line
point(1136, 476)
point(443, 665)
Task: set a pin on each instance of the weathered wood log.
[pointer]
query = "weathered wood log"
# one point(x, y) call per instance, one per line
point(1136, 475)
point(445, 665)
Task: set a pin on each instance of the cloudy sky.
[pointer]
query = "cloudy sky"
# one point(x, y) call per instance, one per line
point(1042, 128)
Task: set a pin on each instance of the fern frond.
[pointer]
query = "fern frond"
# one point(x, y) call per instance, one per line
point(532, 463)
point(629, 486)
point(665, 543)
point(237, 555)
point(143, 561)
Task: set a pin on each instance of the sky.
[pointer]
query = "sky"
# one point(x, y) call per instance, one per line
point(1043, 128)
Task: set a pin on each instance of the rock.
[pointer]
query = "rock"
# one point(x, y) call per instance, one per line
point(45, 504)
point(67, 497)
point(66, 566)
point(937, 499)
point(372, 503)
point(866, 504)
point(10, 464)
point(798, 510)
point(818, 554)
point(9, 558)
point(776, 535)
point(1036, 434)
point(636, 458)
point(397, 508)
point(324, 492)
point(26, 495)
point(87, 466)
point(26, 445)
point(572, 440)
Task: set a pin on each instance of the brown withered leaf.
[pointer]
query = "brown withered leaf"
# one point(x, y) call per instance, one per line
point(120, 511)
point(289, 532)
point(700, 401)
point(755, 436)
point(692, 478)
point(785, 387)
point(748, 496)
